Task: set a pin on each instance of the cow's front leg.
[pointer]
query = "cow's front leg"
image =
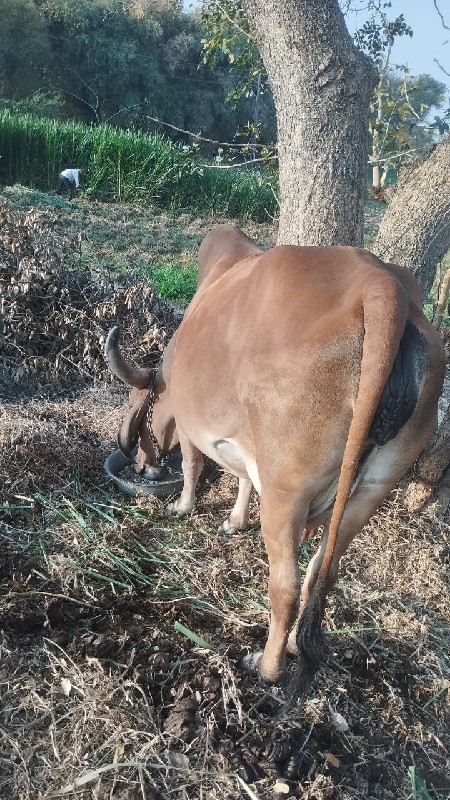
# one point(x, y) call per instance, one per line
point(282, 519)
point(238, 519)
point(192, 466)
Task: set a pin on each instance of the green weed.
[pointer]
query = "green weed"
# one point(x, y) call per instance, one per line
point(175, 283)
point(108, 542)
point(419, 789)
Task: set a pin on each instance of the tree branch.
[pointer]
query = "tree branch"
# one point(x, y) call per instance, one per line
point(84, 102)
point(95, 109)
point(233, 22)
point(197, 136)
point(441, 67)
point(441, 16)
point(236, 166)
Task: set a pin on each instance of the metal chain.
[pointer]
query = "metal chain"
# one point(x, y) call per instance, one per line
point(160, 456)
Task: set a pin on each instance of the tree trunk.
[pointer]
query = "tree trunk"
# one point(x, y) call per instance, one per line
point(443, 297)
point(376, 176)
point(430, 482)
point(376, 139)
point(415, 230)
point(321, 86)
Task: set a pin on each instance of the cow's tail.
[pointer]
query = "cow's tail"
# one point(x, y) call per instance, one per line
point(384, 309)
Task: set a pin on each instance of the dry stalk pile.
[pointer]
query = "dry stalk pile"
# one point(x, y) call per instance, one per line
point(55, 314)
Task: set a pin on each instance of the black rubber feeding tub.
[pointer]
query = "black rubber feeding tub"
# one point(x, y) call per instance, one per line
point(120, 469)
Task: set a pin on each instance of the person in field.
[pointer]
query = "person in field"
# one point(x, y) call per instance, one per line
point(69, 179)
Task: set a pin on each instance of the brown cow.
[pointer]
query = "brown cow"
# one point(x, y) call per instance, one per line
point(312, 374)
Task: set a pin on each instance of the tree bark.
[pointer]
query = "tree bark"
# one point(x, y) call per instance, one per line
point(430, 482)
point(376, 140)
point(415, 230)
point(444, 295)
point(321, 86)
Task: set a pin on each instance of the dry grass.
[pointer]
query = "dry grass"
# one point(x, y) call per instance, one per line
point(104, 692)
point(103, 698)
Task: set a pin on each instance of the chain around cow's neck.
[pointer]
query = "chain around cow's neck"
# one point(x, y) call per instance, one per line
point(161, 456)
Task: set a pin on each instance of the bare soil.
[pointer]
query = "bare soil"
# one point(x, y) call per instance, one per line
point(105, 694)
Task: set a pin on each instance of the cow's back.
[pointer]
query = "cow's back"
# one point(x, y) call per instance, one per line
point(276, 342)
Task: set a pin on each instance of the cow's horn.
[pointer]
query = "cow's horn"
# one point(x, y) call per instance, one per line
point(133, 376)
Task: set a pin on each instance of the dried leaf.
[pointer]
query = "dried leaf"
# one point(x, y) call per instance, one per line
point(338, 722)
point(66, 686)
point(180, 721)
point(331, 759)
point(178, 760)
point(119, 753)
point(281, 788)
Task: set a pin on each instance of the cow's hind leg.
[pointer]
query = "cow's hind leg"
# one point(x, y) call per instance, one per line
point(238, 519)
point(309, 583)
point(192, 466)
point(381, 472)
point(282, 519)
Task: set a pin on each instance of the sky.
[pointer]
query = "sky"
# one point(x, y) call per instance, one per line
point(430, 41)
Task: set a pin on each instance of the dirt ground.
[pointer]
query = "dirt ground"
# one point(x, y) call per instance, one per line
point(105, 692)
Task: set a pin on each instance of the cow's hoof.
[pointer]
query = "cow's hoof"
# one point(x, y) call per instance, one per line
point(173, 510)
point(249, 663)
point(227, 529)
point(230, 529)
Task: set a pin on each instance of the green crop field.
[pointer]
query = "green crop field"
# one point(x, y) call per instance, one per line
point(130, 166)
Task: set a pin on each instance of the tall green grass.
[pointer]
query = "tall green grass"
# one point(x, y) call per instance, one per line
point(174, 282)
point(130, 166)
